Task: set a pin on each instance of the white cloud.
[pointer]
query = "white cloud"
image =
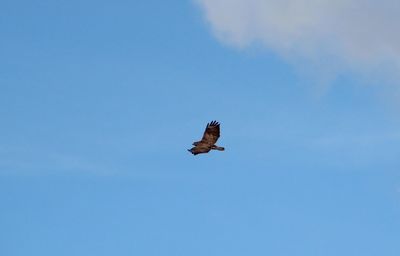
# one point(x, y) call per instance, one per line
point(359, 34)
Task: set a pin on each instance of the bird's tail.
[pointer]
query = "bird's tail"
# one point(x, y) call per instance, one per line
point(218, 148)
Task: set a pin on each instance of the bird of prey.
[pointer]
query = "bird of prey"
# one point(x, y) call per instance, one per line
point(210, 137)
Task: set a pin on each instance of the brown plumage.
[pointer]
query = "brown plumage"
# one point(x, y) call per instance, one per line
point(210, 137)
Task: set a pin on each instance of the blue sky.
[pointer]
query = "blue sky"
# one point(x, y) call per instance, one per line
point(100, 100)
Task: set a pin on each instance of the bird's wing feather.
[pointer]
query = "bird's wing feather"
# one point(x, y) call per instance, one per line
point(211, 134)
point(199, 150)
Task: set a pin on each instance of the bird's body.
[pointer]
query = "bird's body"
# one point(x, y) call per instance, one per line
point(207, 143)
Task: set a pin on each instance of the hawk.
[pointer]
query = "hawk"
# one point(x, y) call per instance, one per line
point(210, 137)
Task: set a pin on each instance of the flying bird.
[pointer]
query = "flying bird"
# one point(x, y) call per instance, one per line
point(210, 137)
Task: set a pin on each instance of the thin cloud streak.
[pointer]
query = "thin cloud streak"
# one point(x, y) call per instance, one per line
point(34, 160)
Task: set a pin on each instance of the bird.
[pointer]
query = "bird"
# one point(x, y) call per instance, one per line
point(207, 143)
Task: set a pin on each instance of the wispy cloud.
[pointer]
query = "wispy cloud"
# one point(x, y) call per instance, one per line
point(35, 160)
point(359, 34)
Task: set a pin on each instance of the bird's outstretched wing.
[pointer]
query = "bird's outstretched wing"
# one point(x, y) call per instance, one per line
point(211, 134)
point(199, 150)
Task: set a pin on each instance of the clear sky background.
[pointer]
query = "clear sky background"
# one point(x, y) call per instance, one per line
point(99, 101)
